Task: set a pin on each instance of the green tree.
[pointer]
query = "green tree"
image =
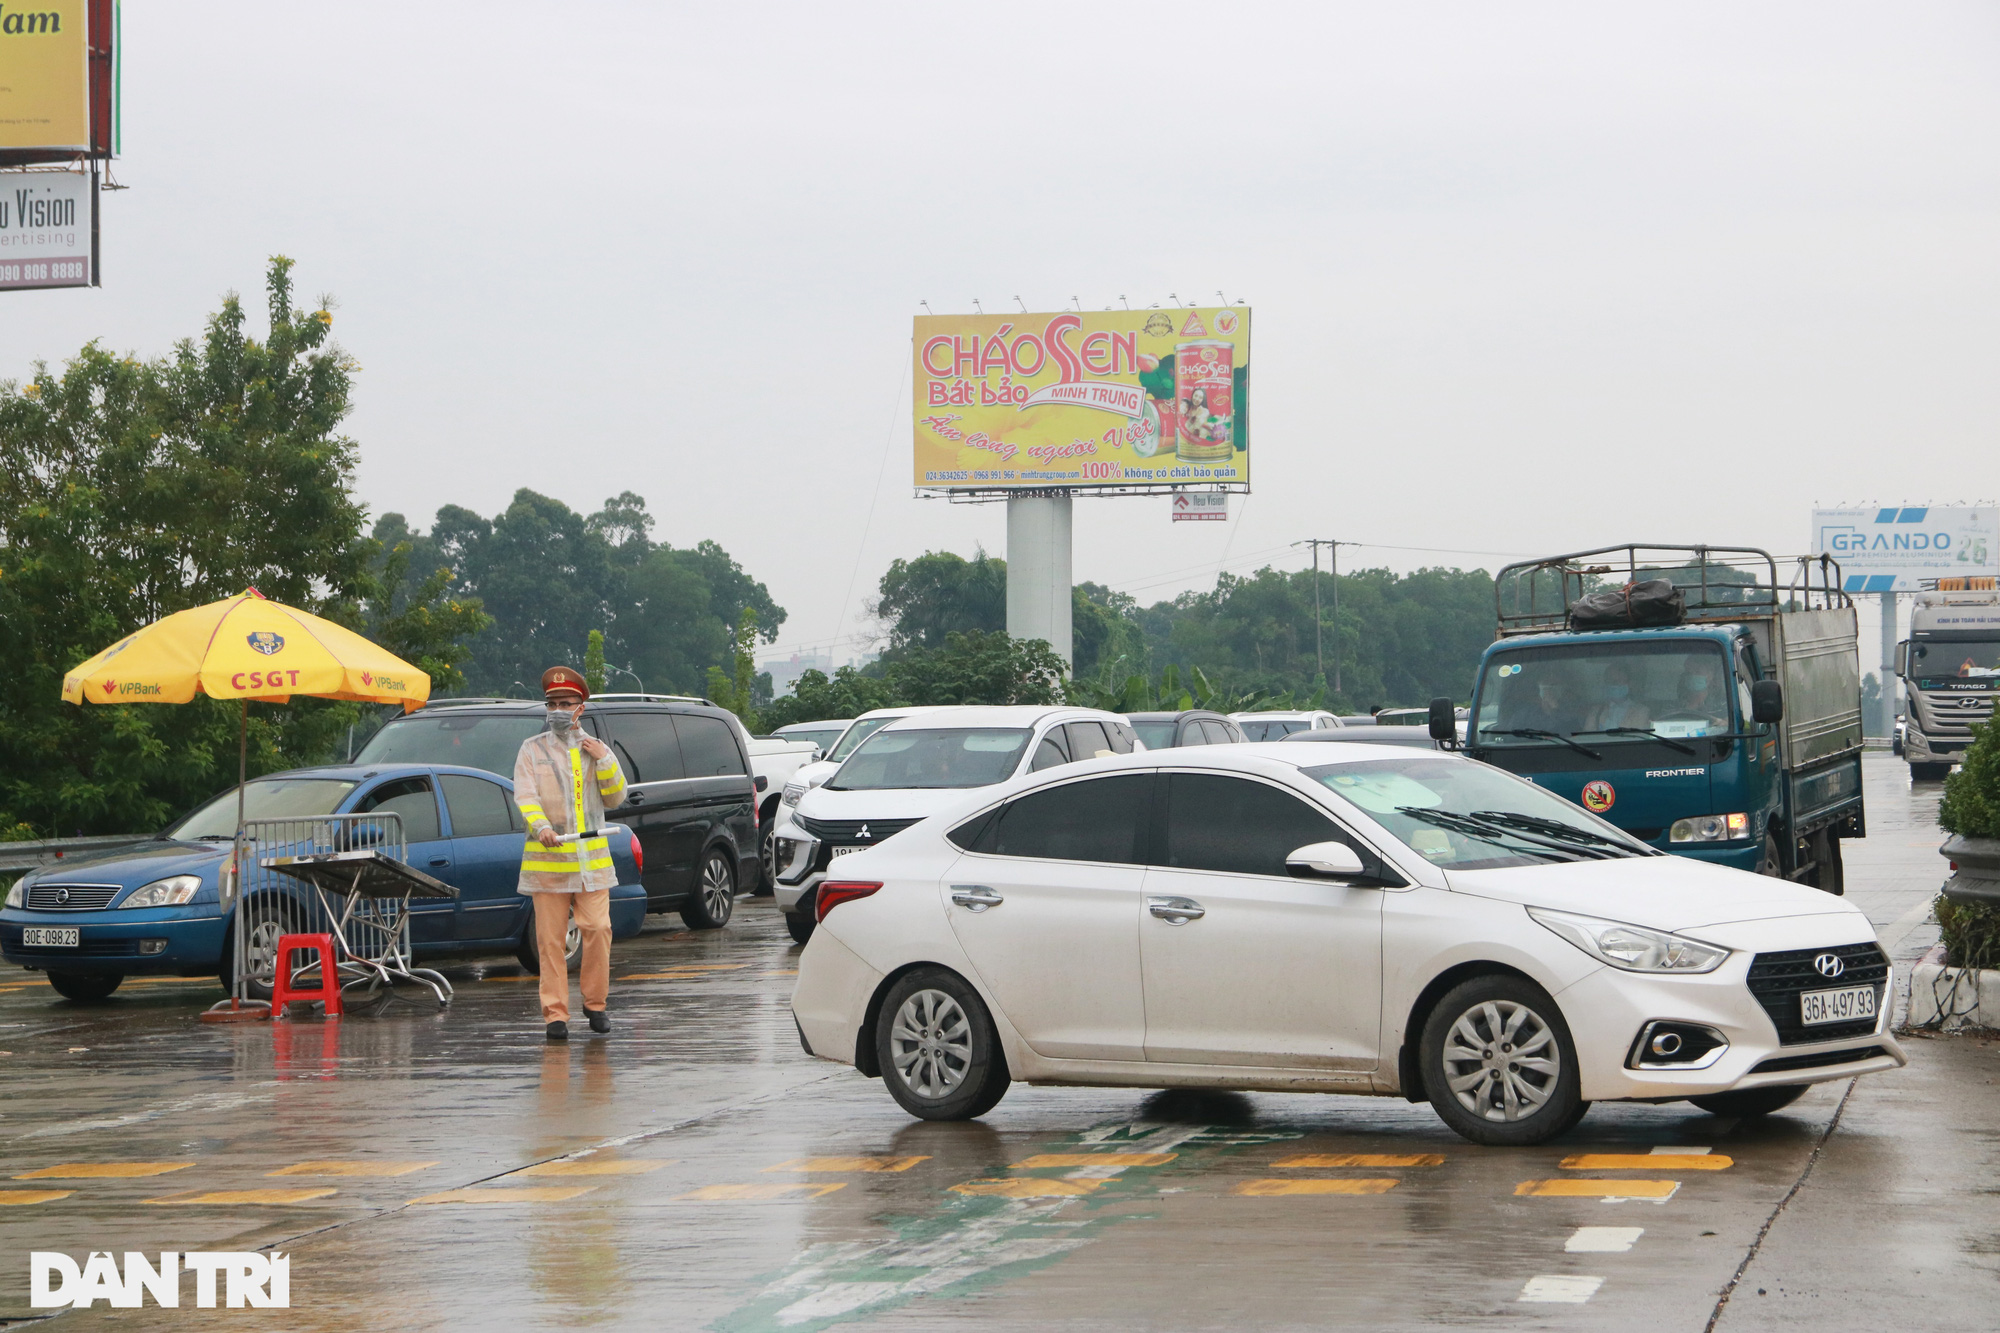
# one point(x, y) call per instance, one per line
point(593, 662)
point(939, 593)
point(816, 696)
point(139, 488)
point(419, 618)
point(979, 668)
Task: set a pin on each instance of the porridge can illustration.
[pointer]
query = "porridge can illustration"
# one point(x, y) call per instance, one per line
point(1205, 393)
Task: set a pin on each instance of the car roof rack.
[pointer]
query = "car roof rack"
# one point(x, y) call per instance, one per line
point(653, 699)
point(457, 700)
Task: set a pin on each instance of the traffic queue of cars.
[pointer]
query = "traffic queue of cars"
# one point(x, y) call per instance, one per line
point(1063, 895)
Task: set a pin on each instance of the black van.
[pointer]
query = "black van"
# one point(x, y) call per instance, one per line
point(689, 795)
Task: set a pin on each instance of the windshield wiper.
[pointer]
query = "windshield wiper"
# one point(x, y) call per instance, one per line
point(1668, 741)
point(1538, 733)
point(1473, 828)
point(1554, 828)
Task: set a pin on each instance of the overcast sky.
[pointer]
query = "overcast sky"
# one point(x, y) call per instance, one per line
point(1527, 277)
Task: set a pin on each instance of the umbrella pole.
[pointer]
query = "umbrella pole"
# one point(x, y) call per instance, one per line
point(235, 1007)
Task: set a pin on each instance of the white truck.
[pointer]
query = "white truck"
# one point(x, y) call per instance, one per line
point(1950, 670)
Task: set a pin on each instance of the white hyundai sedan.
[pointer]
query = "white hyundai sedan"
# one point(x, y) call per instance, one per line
point(1347, 918)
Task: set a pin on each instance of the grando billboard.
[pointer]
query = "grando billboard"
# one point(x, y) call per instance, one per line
point(1908, 548)
point(45, 229)
point(44, 75)
point(1081, 399)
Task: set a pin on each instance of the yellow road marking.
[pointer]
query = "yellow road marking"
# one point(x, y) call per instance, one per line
point(11, 1198)
point(527, 1194)
point(1258, 1189)
point(351, 1168)
point(103, 1170)
point(755, 1193)
point(681, 974)
point(242, 1196)
point(593, 1166)
point(1027, 1188)
point(530, 977)
point(1048, 1159)
point(1656, 1161)
point(848, 1164)
point(1597, 1189)
point(1320, 1159)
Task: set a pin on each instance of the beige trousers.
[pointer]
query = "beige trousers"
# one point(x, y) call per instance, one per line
point(593, 920)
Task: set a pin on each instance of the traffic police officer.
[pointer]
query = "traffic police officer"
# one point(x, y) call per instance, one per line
point(564, 781)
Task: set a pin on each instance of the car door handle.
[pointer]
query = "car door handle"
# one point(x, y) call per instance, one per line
point(440, 860)
point(975, 897)
point(1176, 911)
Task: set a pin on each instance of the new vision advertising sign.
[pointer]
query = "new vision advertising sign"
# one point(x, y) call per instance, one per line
point(1083, 398)
point(1908, 548)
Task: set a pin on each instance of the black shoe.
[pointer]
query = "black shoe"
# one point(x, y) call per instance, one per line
point(558, 1032)
point(599, 1020)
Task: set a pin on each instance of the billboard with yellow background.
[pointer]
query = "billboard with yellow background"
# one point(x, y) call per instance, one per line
point(1077, 399)
point(44, 75)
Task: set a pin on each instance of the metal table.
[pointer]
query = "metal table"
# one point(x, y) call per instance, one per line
point(375, 946)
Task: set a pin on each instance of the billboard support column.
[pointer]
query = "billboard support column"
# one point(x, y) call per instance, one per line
point(1888, 668)
point(1038, 570)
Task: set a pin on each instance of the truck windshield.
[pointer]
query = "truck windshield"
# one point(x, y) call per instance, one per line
point(1465, 816)
point(490, 742)
point(945, 757)
point(1959, 659)
point(1605, 692)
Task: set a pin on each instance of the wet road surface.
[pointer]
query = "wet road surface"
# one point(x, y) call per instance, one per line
point(696, 1170)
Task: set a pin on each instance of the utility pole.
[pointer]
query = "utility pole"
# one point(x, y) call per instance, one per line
point(1333, 560)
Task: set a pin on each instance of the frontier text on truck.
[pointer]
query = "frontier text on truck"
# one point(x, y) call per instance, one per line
point(1704, 707)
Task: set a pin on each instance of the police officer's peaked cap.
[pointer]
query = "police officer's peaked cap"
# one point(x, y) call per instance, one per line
point(561, 679)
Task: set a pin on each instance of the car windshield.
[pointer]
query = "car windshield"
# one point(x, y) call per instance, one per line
point(1963, 659)
point(1605, 692)
point(1156, 735)
point(489, 741)
point(266, 798)
point(1273, 729)
point(856, 734)
point(945, 757)
point(1464, 815)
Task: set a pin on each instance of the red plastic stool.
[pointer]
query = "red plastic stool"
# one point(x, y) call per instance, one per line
point(328, 990)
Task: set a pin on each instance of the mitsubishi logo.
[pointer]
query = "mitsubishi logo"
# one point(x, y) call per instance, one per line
point(62, 895)
point(864, 834)
point(1829, 965)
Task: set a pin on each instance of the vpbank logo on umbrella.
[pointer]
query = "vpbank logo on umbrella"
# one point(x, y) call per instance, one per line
point(265, 642)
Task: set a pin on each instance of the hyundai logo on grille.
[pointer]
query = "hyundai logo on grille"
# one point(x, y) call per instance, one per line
point(1829, 965)
point(865, 834)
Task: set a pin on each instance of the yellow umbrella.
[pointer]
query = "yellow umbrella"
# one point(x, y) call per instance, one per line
point(245, 647)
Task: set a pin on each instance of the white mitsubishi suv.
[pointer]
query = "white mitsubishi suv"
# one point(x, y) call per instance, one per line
point(914, 766)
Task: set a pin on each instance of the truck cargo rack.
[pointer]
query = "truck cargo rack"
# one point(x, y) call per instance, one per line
point(1719, 582)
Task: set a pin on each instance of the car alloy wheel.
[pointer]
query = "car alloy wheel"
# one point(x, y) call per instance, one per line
point(1501, 1061)
point(1498, 1063)
point(930, 1044)
point(715, 896)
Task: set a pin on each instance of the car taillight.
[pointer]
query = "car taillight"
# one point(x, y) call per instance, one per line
point(833, 892)
point(638, 855)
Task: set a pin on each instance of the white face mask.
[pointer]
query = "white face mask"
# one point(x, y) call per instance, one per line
point(562, 721)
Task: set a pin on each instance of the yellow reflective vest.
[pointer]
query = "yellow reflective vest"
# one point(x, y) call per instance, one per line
point(558, 786)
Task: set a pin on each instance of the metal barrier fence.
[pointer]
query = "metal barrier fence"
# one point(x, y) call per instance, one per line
point(267, 904)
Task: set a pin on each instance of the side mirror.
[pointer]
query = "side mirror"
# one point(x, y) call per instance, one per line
point(1902, 660)
point(1325, 860)
point(365, 835)
point(1444, 719)
point(1767, 701)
